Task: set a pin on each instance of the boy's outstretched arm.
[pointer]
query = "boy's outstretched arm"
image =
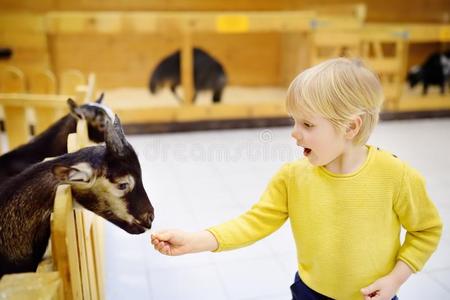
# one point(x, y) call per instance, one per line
point(177, 242)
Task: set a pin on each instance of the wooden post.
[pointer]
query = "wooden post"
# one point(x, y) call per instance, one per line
point(187, 69)
point(16, 126)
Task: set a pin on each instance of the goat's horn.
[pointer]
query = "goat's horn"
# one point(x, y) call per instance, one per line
point(100, 99)
point(115, 138)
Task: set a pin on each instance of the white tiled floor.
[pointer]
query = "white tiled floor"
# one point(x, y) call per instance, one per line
point(200, 179)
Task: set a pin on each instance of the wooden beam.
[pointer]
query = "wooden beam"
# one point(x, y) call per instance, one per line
point(187, 70)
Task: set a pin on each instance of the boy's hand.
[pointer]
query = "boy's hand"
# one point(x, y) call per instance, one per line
point(172, 242)
point(384, 288)
point(177, 242)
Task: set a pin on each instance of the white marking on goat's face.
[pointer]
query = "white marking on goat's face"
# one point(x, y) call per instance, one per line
point(108, 110)
point(112, 194)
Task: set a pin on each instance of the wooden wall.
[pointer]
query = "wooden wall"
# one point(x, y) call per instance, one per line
point(391, 11)
point(127, 59)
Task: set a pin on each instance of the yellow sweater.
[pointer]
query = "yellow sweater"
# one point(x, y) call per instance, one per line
point(346, 226)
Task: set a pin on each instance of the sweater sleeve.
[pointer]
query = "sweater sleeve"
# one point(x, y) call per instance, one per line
point(263, 218)
point(419, 216)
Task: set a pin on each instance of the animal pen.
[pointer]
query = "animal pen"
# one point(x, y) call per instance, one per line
point(262, 51)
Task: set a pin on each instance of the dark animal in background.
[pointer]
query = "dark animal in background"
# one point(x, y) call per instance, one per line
point(209, 74)
point(434, 71)
point(105, 179)
point(5, 53)
point(53, 141)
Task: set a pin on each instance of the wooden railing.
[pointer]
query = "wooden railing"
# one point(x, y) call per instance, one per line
point(40, 105)
point(75, 268)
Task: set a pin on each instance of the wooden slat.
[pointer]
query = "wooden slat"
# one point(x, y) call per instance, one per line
point(199, 113)
point(22, 22)
point(35, 100)
point(123, 22)
point(97, 236)
point(90, 243)
point(43, 82)
point(12, 80)
point(64, 243)
point(187, 70)
point(415, 32)
point(88, 222)
point(16, 126)
point(81, 242)
point(391, 66)
point(69, 82)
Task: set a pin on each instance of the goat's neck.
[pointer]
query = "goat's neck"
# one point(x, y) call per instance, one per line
point(25, 213)
point(55, 138)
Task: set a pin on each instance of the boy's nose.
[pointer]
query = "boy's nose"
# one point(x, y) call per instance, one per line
point(296, 134)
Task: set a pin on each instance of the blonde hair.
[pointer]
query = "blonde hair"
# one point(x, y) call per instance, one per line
point(338, 90)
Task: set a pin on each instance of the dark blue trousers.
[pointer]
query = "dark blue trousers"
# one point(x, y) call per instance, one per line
point(300, 291)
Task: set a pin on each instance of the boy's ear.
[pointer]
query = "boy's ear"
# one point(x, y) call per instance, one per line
point(353, 127)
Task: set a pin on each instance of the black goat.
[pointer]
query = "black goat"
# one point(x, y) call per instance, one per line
point(5, 53)
point(434, 71)
point(53, 141)
point(104, 179)
point(208, 74)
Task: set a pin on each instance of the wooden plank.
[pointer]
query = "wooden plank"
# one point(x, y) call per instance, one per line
point(81, 242)
point(199, 113)
point(414, 32)
point(22, 22)
point(187, 69)
point(123, 22)
point(12, 80)
point(69, 82)
point(43, 82)
point(35, 100)
point(97, 235)
point(64, 246)
point(16, 125)
point(88, 221)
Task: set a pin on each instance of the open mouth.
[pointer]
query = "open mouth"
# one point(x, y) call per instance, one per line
point(306, 151)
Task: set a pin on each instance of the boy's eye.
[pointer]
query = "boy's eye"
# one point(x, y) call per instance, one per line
point(307, 125)
point(122, 186)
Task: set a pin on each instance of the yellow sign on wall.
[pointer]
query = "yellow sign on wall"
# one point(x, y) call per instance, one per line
point(444, 34)
point(232, 23)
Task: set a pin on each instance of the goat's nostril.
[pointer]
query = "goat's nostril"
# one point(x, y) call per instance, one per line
point(147, 218)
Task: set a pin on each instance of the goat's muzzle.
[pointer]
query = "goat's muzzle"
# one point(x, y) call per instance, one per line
point(146, 219)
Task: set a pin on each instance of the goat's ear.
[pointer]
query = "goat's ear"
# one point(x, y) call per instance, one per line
point(115, 140)
point(81, 172)
point(75, 110)
point(100, 99)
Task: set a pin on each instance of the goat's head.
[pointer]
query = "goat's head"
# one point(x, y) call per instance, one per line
point(111, 185)
point(96, 115)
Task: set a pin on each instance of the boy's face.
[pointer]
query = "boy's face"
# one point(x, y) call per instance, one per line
point(321, 141)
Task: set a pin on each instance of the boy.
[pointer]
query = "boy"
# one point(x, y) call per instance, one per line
point(346, 200)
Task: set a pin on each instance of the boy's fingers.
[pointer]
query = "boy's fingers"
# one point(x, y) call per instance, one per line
point(166, 236)
point(370, 290)
point(162, 235)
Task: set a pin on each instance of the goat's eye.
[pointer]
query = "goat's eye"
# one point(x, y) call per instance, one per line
point(122, 186)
